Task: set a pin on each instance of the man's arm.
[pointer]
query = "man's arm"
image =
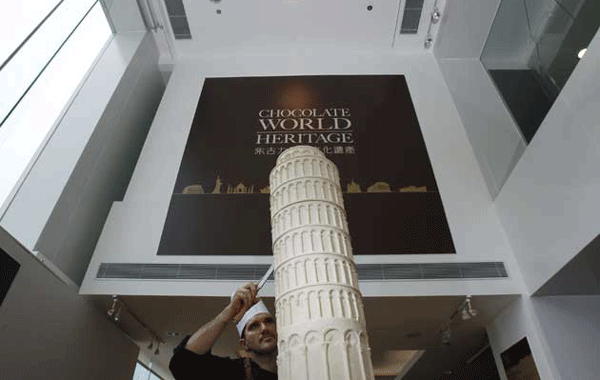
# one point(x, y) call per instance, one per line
point(203, 339)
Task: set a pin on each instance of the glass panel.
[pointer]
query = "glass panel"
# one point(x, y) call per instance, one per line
point(532, 50)
point(18, 22)
point(26, 65)
point(28, 125)
point(141, 373)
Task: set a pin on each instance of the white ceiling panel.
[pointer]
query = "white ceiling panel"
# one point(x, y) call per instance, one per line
point(269, 24)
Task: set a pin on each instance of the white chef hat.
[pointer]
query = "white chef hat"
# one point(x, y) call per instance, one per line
point(257, 308)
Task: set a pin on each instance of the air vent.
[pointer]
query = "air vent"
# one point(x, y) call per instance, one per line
point(179, 23)
point(380, 272)
point(411, 16)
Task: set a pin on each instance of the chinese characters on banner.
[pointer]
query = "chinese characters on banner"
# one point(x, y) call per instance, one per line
point(365, 124)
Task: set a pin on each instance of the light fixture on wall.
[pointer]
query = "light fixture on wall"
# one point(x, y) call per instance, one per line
point(115, 312)
point(428, 42)
point(466, 310)
point(117, 316)
point(113, 306)
point(436, 16)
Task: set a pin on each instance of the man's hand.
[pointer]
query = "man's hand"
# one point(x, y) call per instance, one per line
point(243, 299)
point(205, 337)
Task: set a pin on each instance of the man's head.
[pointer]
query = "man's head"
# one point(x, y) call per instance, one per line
point(258, 333)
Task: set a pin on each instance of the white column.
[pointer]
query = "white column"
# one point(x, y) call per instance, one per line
point(321, 326)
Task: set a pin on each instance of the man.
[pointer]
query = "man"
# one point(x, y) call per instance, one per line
point(192, 359)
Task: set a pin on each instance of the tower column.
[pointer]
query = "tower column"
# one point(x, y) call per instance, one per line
point(320, 315)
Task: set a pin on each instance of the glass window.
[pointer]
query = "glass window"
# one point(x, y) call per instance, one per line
point(20, 21)
point(39, 81)
point(532, 49)
point(29, 61)
point(143, 373)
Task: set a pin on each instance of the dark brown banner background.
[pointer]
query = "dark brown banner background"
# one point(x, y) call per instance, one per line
point(379, 148)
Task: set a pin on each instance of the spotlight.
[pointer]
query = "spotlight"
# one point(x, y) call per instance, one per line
point(118, 314)
point(156, 352)
point(464, 314)
point(472, 312)
point(428, 42)
point(436, 16)
point(151, 345)
point(113, 306)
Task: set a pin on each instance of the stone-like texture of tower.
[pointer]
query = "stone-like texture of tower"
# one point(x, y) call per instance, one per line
point(320, 317)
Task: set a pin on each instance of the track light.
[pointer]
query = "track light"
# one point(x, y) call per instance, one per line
point(118, 314)
point(436, 16)
point(464, 314)
point(468, 309)
point(113, 306)
point(151, 345)
point(428, 42)
point(156, 352)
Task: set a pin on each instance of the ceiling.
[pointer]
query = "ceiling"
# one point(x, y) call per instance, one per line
point(268, 26)
point(393, 323)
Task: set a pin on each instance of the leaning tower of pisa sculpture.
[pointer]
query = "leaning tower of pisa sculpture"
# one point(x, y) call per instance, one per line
point(320, 316)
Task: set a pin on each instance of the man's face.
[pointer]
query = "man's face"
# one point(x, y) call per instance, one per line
point(260, 334)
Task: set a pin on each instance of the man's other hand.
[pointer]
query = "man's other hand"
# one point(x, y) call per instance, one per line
point(243, 298)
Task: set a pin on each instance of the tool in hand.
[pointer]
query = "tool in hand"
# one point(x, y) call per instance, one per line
point(261, 283)
point(264, 279)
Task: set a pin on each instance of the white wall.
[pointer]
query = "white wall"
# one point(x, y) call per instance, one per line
point(134, 226)
point(562, 333)
point(570, 326)
point(87, 162)
point(549, 205)
point(28, 212)
point(515, 323)
point(493, 133)
point(124, 15)
point(49, 332)
point(464, 28)
point(103, 170)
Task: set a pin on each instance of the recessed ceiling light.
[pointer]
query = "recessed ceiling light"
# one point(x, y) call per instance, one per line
point(215, 1)
point(581, 53)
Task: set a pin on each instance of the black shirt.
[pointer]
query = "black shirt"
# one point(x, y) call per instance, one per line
point(187, 365)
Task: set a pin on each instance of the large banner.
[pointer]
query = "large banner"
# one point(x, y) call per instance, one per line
point(365, 124)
